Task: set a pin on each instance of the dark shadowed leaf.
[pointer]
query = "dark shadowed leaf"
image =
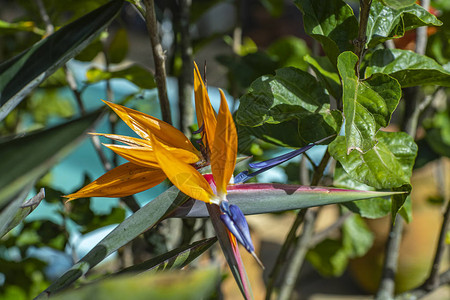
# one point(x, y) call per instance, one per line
point(175, 259)
point(292, 102)
point(327, 73)
point(19, 75)
point(331, 22)
point(26, 158)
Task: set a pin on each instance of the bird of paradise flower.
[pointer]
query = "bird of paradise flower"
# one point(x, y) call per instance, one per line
point(165, 152)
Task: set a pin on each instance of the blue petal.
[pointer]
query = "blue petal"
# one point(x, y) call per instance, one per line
point(235, 221)
point(280, 159)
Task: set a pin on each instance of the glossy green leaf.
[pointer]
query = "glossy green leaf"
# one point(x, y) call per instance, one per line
point(386, 23)
point(175, 259)
point(409, 68)
point(198, 284)
point(260, 198)
point(29, 156)
point(292, 102)
point(398, 3)
point(138, 75)
point(327, 74)
point(332, 23)
point(370, 208)
point(368, 104)
point(289, 52)
point(387, 165)
point(118, 48)
point(19, 75)
point(142, 220)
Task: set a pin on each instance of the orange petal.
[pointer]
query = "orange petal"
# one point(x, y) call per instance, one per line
point(145, 156)
point(224, 150)
point(182, 175)
point(142, 124)
point(124, 180)
point(206, 116)
point(128, 140)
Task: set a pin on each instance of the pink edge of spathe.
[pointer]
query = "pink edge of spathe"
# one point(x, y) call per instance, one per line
point(241, 268)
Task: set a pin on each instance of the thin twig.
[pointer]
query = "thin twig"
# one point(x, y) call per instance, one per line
point(421, 32)
point(387, 283)
point(433, 280)
point(298, 256)
point(282, 255)
point(185, 83)
point(35, 200)
point(159, 60)
point(421, 291)
point(49, 28)
point(360, 42)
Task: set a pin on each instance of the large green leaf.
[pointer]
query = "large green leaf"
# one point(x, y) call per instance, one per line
point(387, 165)
point(26, 158)
point(145, 218)
point(386, 23)
point(332, 23)
point(175, 259)
point(260, 198)
point(292, 106)
point(193, 285)
point(398, 3)
point(368, 104)
point(21, 74)
point(370, 208)
point(409, 68)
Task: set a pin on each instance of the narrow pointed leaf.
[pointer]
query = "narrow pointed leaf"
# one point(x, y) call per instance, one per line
point(230, 249)
point(142, 220)
point(33, 154)
point(175, 259)
point(368, 104)
point(259, 198)
point(409, 68)
point(21, 74)
point(198, 284)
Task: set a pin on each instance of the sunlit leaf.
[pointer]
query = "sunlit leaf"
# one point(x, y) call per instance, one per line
point(398, 3)
point(386, 22)
point(409, 68)
point(368, 104)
